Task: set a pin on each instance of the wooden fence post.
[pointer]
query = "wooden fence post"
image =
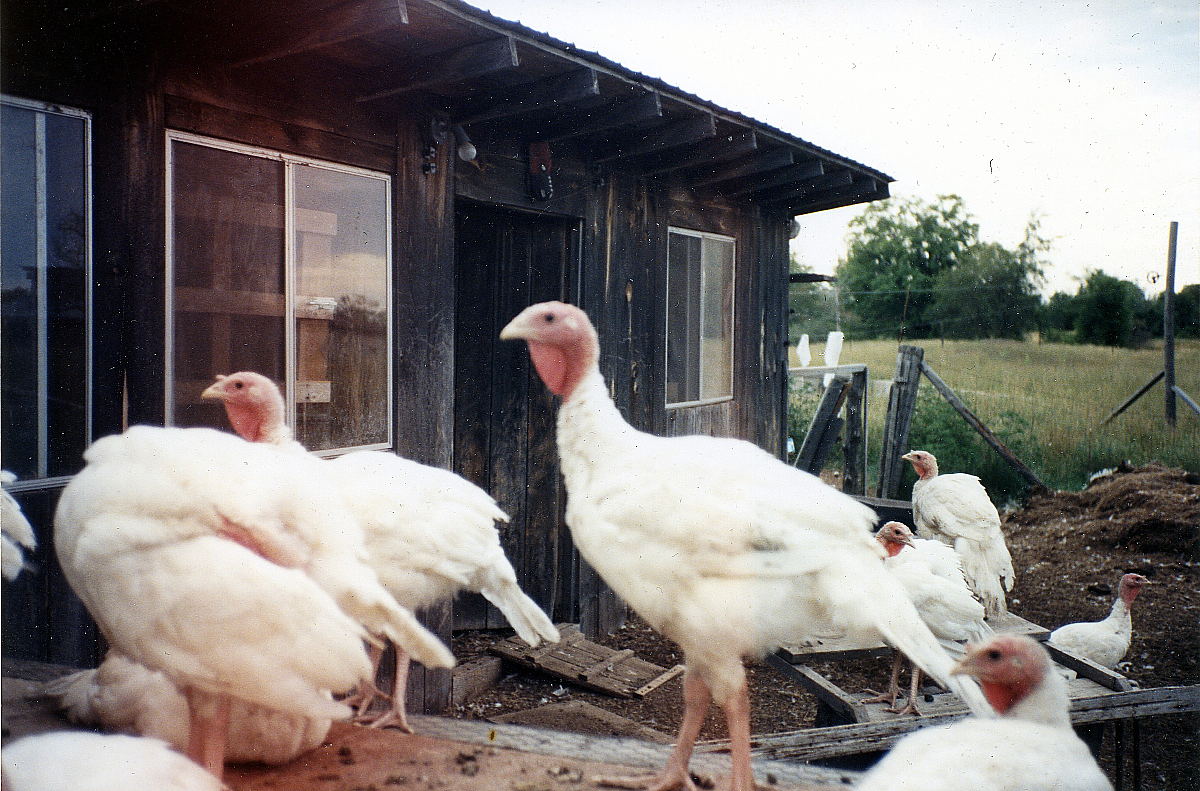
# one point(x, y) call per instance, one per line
point(902, 402)
point(854, 447)
point(1169, 326)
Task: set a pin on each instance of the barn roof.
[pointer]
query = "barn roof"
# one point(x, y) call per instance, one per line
point(496, 77)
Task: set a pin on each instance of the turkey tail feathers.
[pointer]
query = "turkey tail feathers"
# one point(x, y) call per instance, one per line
point(522, 612)
point(989, 572)
point(904, 630)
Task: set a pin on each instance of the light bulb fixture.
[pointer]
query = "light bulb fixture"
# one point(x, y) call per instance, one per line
point(466, 149)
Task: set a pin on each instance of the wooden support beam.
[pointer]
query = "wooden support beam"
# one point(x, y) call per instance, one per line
point(1086, 668)
point(902, 402)
point(1187, 399)
point(1129, 401)
point(821, 425)
point(464, 63)
point(713, 151)
point(801, 190)
point(857, 738)
point(557, 91)
point(763, 162)
point(641, 109)
point(295, 36)
point(974, 422)
point(802, 172)
point(867, 190)
point(671, 135)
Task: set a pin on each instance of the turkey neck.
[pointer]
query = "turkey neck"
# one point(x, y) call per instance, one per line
point(1047, 703)
point(591, 428)
point(1120, 618)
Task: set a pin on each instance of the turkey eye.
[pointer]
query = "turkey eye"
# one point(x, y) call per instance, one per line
point(993, 655)
point(238, 385)
point(549, 317)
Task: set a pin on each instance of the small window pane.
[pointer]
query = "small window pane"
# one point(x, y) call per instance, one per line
point(341, 308)
point(44, 206)
point(716, 340)
point(248, 297)
point(699, 318)
point(228, 273)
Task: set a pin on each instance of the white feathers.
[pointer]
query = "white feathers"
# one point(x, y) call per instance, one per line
point(126, 697)
point(15, 532)
point(725, 549)
point(955, 509)
point(79, 761)
point(431, 533)
point(227, 566)
point(932, 577)
point(1030, 748)
point(1106, 641)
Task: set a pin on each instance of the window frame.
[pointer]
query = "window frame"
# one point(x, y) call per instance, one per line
point(289, 161)
point(45, 481)
point(703, 236)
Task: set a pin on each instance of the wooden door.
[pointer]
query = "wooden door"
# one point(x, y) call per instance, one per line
point(504, 437)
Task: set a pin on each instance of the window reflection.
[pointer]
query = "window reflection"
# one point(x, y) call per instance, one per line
point(246, 299)
point(44, 264)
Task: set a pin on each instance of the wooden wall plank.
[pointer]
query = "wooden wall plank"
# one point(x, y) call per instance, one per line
point(423, 319)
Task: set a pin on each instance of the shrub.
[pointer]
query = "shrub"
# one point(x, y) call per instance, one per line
point(939, 429)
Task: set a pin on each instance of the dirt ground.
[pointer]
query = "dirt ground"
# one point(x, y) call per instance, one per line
point(1069, 549)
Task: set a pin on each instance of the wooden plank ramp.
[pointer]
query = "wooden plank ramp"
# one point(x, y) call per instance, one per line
point(581, 662)
point(835, 741)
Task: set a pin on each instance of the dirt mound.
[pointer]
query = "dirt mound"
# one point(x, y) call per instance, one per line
point(1150, 509)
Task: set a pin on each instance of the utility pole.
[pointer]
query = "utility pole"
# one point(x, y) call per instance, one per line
point(1169, 327)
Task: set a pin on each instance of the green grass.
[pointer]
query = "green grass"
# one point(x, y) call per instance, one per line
point(1050, 400)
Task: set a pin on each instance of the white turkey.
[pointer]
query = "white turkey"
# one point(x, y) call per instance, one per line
point(429, 533)
point(956, 510)
point(16, 534)
point(232, 569)
point(126, 697)
point(933, 579)
point(84, 761)
point(717, 544)
point(1029, 747)
point(1107, 641)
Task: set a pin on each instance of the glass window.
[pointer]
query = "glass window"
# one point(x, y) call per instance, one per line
point(281, 266)
point(45, 216)
point(699, 318)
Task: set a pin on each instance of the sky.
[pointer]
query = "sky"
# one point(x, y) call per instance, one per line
point(1084, 114)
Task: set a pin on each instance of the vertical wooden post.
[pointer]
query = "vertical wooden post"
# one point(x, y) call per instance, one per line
point(854, 450)
point(902, 401)
point(1169, 326)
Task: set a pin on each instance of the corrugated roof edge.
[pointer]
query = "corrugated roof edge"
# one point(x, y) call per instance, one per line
point(487, 18)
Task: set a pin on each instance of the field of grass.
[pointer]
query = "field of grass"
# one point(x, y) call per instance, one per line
point(1048, 398)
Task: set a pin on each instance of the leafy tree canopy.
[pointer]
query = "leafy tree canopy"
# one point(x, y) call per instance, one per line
point(919, 267)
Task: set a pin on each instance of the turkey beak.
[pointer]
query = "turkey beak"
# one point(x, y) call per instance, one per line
point(907, 456)
point(967, 666)
point(512, 330)
point(906, 541)
point(214, 391)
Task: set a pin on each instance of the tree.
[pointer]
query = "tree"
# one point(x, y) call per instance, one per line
point(1110, 311)
point(896, 251)
point(921, 267)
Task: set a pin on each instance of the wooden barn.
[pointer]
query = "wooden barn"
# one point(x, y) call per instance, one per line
point(353, 197)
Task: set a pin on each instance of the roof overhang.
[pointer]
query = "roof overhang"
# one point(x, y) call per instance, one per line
point(497, 78)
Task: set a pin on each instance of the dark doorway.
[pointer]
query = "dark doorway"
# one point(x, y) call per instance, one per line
point(503, 417)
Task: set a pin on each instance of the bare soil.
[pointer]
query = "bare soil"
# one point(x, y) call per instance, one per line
point(1069, 549)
